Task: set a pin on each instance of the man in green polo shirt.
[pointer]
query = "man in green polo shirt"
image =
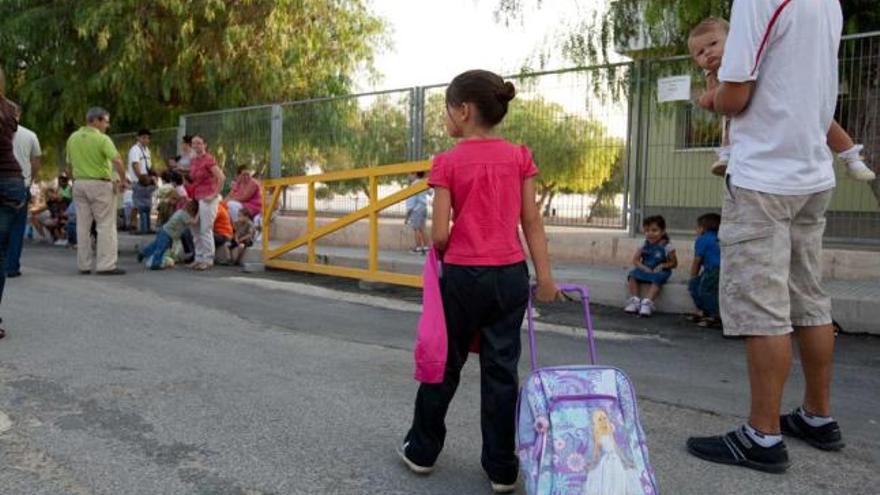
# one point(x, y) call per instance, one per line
point(92, 156)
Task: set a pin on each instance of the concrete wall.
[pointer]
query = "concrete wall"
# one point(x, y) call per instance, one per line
point(591, 246)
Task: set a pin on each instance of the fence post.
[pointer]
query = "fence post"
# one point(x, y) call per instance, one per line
point(374, 225)
point(419, 124)
point(638, 141)
point(181, 131)
point(275, 141)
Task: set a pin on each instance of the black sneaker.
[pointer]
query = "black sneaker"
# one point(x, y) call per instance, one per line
point(738, 449)
point(825, 437)
point(114, 271)
point(416, 468)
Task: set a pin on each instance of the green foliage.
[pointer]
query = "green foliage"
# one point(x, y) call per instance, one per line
point(661, 26)
point(344, 134)
point(575, 154)
point(148, 62)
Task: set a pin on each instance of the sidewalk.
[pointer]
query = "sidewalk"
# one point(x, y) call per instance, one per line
point(855, 301)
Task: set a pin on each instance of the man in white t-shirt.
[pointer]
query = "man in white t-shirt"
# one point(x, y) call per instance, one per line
point(779, 84)
point(26, 148)
point(139, 163)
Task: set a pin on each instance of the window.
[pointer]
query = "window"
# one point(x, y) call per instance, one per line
point(696, 128)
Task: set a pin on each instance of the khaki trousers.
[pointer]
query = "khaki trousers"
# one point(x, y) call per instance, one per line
point(95, 200)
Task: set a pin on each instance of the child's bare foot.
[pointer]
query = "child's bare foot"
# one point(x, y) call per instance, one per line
point(719, 168)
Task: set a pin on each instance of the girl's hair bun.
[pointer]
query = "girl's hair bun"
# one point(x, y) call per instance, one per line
point(507, 92)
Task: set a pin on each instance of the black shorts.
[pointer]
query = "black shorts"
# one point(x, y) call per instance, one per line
point(220, 240)
point(233, 244)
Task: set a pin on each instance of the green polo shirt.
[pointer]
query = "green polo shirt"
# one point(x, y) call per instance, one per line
point(89, 152)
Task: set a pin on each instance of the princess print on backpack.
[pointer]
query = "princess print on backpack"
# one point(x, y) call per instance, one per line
point(610, 473)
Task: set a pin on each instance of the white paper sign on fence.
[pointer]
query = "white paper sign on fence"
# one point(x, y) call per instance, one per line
point(673, 88)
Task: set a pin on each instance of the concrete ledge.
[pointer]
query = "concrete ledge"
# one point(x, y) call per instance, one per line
point(594, 247)
point(855, 302)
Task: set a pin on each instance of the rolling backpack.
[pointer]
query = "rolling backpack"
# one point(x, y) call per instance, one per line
point(577, 426)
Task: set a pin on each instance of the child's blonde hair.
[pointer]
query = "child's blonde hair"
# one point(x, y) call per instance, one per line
point(707, 25)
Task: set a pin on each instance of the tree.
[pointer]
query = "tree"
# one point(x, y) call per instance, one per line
point(660, 27)
point(148, 62)
point(575, 154)
point(345, 134)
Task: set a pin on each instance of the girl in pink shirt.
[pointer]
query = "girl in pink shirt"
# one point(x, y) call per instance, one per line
point(486, 186)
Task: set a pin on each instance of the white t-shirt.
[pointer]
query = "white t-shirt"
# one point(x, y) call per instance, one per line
point(141, 155)
point(789, 48)
point(25, 146)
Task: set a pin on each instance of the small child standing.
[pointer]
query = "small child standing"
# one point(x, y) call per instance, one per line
point(706, 45)
point(705, 270)
point(489, 184)
point(654, 263)
point(179, 222)
point(417, 215)
point(142, 200)
point(243, 237)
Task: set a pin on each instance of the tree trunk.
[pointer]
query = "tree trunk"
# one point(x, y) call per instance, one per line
point(545, 191)
point(548, 205)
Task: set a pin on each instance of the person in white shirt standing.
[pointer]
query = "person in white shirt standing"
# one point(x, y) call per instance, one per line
point(26, 147)
point(139, 163)
point(779, 83)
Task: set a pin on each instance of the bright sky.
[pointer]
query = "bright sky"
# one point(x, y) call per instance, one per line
point(433, 40)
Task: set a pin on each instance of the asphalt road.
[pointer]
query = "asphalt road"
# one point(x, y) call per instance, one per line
point(223, 383)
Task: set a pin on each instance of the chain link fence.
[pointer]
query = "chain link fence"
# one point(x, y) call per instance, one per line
point(163, 145)
point(609, 152)
point(676, 142)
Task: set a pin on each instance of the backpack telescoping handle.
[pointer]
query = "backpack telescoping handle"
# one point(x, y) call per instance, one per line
point(588, 321)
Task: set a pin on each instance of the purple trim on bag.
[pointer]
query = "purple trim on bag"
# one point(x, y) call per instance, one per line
point(588, 320)
point(570, 398)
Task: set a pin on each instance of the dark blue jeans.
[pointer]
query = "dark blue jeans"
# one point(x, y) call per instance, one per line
point(157, 249)
point(144, 219)
point(16, 239)
point(13, 199)
point(70, 228)
point(704, 292)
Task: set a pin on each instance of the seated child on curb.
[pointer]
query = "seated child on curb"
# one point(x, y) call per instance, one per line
point(243, 236)
point(180, 221)
point(653, 263)
point(706, 45)
point(222, 234)
point(705, 270)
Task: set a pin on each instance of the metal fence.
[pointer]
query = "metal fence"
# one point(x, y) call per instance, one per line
point(163, 144)
point(676, 141)
point(609, 152)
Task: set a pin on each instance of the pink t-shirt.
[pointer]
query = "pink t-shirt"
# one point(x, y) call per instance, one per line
point(205, 185)
point(485, 179)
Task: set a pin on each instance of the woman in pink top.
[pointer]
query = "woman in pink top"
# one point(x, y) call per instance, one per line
point(246, 193)
point(487, 185)
point(207, 179)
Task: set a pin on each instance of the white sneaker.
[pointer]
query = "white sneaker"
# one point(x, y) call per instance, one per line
point(859, 171)
point(61, 242)
point(632, 305)
point(647, 307)
point(502, 488)
point(855, 165)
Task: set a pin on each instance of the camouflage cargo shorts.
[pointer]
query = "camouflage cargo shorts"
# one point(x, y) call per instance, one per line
point(771, 262)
